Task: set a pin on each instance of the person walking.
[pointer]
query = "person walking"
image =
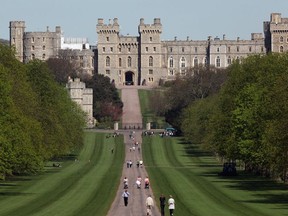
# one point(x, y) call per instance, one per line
point(125, 195)
point(149, 205)
point(162, 204)
point(171, 205)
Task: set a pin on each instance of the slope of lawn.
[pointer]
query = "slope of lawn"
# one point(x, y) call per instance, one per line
point(147, 114)
point(84, 185)
point(191, 176)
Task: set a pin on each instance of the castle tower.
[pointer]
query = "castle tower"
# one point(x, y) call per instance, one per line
point(108, 40)
point(150, 51)
point(17, 30)
point(276, 33)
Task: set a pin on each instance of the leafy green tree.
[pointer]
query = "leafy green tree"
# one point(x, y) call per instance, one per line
point(106, 101)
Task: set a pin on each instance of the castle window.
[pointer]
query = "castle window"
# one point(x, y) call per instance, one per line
point(150, 61)
point(228, 49)
point(43, 47)
point(107, 61)
point(32, 39)
point(205, 61)
point(281, 39)
point(107, 38)
point(129, 61)
point(150, 72)
point(81, 64)
point(120, 49)
point(250, 49)
point(103, 49)
point(43, 39)
point(183, 62)
point(262, 49)
point(129, 49)
point(171, 62)
point(218, 61)
point(218, 49)
point(32, 48)
point(150, 39)
point(107, 72)
point(229, 61)
point(195, 49)
point(154, 48)
point(237, 48)
point(171, 49)
point(33, 56)
point(195, 61)
point(43, 56)
point(111, 49)
point(183, 49)
point(146, 49)
point(119, 72)
point(281, 49)
point(120, 62)
point(171, 72)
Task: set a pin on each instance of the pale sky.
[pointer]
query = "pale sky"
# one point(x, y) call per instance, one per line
point(181, 18)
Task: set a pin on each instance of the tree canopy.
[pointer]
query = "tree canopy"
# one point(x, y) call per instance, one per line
point(38, 119)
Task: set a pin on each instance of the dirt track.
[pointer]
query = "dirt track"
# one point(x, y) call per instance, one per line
point(136, 204)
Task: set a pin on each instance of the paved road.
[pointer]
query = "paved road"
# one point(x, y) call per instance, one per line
point(136, 204)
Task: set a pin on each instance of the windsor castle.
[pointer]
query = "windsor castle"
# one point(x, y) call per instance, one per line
point(145, 59)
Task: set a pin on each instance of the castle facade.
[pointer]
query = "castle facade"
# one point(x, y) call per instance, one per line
point(145, 59)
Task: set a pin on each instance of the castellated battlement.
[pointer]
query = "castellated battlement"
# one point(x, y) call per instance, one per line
point(111, 27)
point(156, 27)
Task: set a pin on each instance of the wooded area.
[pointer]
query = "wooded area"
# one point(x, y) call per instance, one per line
point(38, 119)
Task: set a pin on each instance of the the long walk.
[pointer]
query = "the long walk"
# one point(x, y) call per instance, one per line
point(137, 199)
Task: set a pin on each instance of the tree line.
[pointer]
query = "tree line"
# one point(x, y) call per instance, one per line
point(38, 120)
point(240, 113)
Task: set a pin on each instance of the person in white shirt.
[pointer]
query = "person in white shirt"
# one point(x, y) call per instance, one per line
point(149, 204)
point(171, 205)
point(125, 195)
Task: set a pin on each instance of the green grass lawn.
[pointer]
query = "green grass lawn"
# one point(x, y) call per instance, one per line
point(191, 176)
point(85, 187)
point(147, 114)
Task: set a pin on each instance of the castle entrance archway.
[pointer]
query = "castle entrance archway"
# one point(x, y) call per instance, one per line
point(129, 78)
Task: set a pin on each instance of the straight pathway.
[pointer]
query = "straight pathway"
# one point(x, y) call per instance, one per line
point(137, 199)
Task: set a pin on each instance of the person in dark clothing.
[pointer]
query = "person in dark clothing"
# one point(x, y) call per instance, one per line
point(162, 204)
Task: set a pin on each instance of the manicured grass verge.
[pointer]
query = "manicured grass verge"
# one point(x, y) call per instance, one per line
point(83, 187)
point(191, 176)
point(147, 114)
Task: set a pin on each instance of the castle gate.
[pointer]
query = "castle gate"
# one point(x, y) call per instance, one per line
point(129, 78)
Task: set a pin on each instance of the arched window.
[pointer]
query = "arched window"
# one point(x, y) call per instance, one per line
point(129, 61)
point(195, 61)
point(182, 66)
point(150, 61)
point(229, 61)
point(281, 39)
point(120, 62)
point(218, 61)
point(107, 61)
point(281, 49)
point(182, 62)
point(171, 62)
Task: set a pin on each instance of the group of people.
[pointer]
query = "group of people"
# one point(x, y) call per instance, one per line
point(150, 203)
point(137, 183)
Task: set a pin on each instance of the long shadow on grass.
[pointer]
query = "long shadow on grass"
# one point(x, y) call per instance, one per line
point(268, 191)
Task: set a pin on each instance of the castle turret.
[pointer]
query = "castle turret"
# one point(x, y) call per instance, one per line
point(150, 50)
point(17, 30)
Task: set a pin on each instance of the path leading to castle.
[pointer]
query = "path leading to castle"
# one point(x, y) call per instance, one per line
point(137, 199)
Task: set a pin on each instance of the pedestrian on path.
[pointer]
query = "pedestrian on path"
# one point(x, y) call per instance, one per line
point(125, 195)
point(162, 204)
point(149, 205)
point(171, 205)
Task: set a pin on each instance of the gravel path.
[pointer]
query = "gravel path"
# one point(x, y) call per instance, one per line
point(137, 199)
